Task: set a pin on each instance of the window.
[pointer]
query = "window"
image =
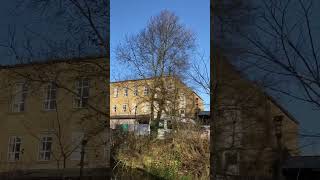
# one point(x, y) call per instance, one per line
point(45, 148)
point(161, 124)
point(231, 162)
point(182, 101)
point(135, 91)
point(77, 137)
point(124, 108)
point(182, 113)
point(126, 91)
point(82, 89)
point(50, 97)
point(115, 92)
point(114, 108)
point(169, 124)
point(19, 97)
point(197, 102)
point(14, 149)
point(146, 91)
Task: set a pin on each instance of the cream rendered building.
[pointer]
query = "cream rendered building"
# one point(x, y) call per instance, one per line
point(130, 100)
point(47, 109)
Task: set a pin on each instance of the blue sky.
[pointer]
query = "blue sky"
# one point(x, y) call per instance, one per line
point(129, 17)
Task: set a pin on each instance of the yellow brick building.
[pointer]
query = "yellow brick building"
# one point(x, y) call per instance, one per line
point(47, 109)
point(131, 100)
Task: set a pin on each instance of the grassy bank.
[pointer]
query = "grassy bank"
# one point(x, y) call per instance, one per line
point(183, 155)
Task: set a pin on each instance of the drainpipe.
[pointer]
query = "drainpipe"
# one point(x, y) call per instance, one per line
point(278, 132)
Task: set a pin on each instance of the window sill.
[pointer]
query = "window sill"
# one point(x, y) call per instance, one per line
point(48, 110)
point(78, 108)
point(16, 113)
point(13, 161)
point(43, 161)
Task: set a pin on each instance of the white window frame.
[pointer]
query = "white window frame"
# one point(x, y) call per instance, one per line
point(79, 88)
point(114, 108)
point(12, 145)
point(124, 108)
point(182, 100)
point(136, 91)
point(145, 91)
point(234, 168)
point(183, 112)
point(19, 97)
point(115, 92)
point(45, 140)
point(126, 89)
point(48, 100)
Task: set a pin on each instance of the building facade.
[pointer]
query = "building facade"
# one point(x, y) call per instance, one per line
point(248, 139)
point(54, 114)
point(136, 101)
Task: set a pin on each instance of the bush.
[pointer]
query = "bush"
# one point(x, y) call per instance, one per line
point(185, 155)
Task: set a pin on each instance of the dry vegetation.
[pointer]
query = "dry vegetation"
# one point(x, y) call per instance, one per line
point(183, 155)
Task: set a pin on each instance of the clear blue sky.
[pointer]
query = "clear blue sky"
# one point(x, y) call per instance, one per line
point(129, 17)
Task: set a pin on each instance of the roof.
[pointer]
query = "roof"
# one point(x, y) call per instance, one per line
point(204, 113)
point(51, 61)
point(282, 109)
point(302, 162)
point(140, 79)
point(240, 74)
point(137, 79)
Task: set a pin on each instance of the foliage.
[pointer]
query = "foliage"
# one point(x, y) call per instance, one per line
point(184, 155)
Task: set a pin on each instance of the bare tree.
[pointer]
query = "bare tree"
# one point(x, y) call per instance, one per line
point(287, 50)
point(163, 49)
point(90, 18)
point(84, 32)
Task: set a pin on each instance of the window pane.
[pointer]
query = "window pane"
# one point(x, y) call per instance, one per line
point(46, 105)
point(53, 94)
point(43, 146)
point(21, 107)
point(16, 156)
point(84, 102)
point(17, 149)
point(48, 146)
point(47, 155)
point(17, 139)
point(52, 104)
point(85, 82)
point(85, 92)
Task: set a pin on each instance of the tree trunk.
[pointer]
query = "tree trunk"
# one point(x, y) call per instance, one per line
point(83, 144)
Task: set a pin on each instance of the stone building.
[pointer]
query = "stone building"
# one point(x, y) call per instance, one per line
point(51, 112)
point(246, 133)
point(131, 101)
